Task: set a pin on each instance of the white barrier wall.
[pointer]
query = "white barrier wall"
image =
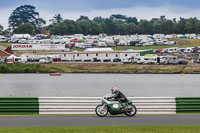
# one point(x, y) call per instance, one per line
point(86, 105)
point(38, 47)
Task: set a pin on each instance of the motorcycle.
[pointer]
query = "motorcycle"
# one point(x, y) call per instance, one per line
point(110, 105)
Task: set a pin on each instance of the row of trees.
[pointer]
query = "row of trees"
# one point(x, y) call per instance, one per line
point(25, 19)
point(120, 24)
point(1, 30)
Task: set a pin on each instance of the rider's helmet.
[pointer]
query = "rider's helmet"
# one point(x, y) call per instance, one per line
point(113, 90)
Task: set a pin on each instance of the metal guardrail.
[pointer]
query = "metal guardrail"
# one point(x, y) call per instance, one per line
point(188, 105)
point(86, 105)
point(19, 105)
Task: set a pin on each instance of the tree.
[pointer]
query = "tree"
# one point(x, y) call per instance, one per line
point(39, 25)
point(132, 20)
point(25, 14)
point(197, 27)
point(98, 19)
point(83, 18)
point(162, 18)
point(167, 27)
point(84, 26)
point(119, 16)
point(156, 28)
point(70, 27)
point(181, 26)
point(120, 24)
point(26, 28)
point(121, 27)
point(192, 25)
point(1, 29)
point(56, 19)
point(145, 27)
point(132, 28)
point(7, 32)
point(110, 27)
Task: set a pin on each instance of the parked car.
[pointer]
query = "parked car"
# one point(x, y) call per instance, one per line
point(146, 60)
point(128, 60)
point(153, 60)
point(189, 50)
point(181, 62)
point(198, 60)
point(45, 59)
point(143, 60)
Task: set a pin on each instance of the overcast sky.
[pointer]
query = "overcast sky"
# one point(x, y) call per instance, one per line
point(72, 9)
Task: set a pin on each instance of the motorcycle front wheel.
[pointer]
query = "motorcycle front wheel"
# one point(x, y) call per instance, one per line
point(131, 113)
point(101, 110)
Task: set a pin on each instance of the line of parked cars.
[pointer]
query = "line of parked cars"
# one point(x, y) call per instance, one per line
point(155, 60)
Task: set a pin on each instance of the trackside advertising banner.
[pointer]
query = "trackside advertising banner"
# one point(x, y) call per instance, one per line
point(38, 46)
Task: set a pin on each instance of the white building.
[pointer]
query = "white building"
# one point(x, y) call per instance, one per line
point(101, 56)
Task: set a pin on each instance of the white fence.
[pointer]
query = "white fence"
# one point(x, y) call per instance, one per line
point(86, 105)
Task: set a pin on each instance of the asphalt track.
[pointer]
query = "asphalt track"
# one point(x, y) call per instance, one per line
point(92, 120)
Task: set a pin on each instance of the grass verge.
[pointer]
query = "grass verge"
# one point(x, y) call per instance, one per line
point(99, 68)
point(119, 48)
point(121, 68)
point(24, 68)
point(117, 129)
point(5, 44)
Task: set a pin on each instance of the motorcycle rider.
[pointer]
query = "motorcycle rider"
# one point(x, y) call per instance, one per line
point(119, 96)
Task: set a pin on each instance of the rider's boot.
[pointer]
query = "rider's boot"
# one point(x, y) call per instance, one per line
point(124, 106)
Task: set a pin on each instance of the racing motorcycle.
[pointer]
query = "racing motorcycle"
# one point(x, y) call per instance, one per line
point(110, 105)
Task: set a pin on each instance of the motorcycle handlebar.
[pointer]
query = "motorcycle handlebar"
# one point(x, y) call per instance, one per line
point(107, 98)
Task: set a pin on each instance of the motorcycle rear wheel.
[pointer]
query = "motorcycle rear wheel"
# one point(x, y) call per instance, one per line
point(100, 111)
point(131, 113)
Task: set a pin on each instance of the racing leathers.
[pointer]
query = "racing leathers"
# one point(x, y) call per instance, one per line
point(120, 97)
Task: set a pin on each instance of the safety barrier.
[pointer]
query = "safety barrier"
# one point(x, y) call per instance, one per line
point(188, 104)
point(19, 105)
point(86, 105)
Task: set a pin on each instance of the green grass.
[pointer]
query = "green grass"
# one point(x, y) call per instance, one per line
point(164, 70)
point(117, 129)
point(23, 68)
point(187, 42)
point(77, 49)
point(5, 44)
point(143, 47)
point(94, 68)
point(60, 68)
